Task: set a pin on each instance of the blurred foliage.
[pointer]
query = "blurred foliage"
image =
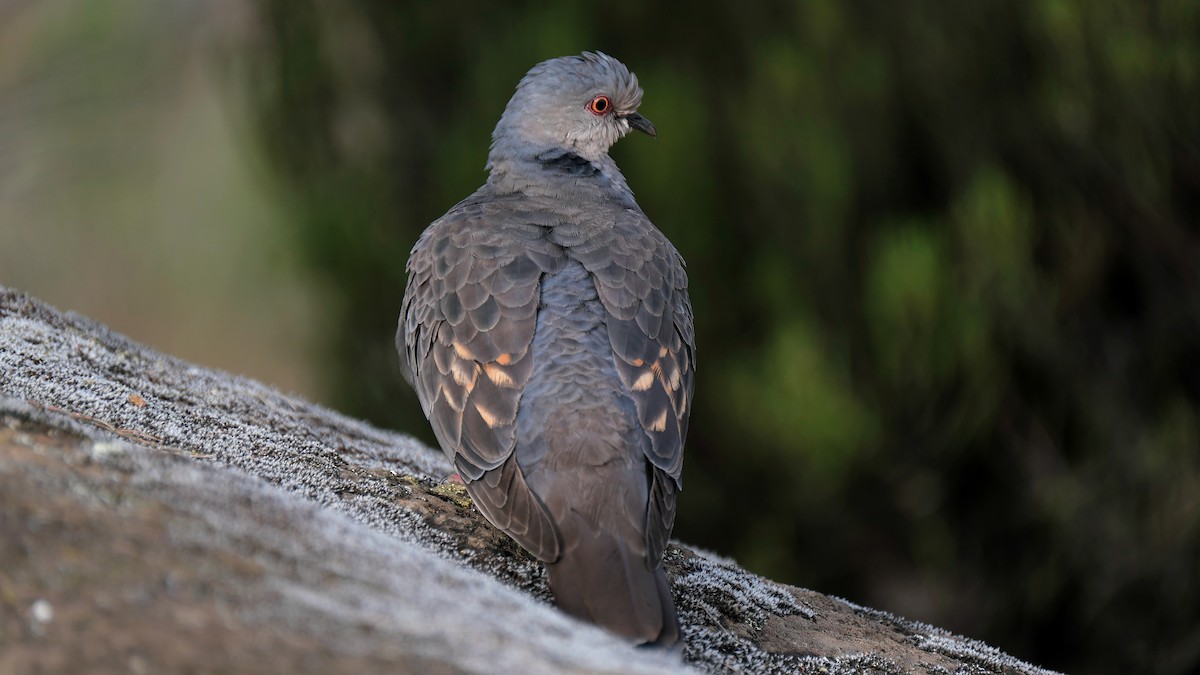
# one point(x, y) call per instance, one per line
point(945, 261)
point(130, 190)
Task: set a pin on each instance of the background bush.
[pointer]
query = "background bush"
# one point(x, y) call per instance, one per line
point(945, 263)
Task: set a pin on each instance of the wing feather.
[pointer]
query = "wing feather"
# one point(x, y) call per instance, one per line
point(466, 326)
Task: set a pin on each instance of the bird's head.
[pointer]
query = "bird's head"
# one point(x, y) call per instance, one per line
point(583, 103)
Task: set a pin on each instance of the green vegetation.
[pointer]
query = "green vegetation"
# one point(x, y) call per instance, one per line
point(945, 262)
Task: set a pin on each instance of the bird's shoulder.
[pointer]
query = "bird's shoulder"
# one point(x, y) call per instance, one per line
point(631, 258)
point(487, 225)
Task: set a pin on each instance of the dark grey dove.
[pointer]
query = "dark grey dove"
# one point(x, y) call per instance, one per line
point(547, 331)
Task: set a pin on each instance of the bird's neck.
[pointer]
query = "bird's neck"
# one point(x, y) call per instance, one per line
point(558, 172)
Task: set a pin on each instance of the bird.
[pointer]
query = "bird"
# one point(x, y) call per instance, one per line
point(548, 333)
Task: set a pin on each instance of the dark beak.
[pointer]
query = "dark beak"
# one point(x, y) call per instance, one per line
point(640, 123)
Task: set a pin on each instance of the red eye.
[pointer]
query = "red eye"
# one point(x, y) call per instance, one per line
point(600, 105)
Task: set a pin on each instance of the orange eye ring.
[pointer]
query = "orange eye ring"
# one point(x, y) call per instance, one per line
point(601, 105)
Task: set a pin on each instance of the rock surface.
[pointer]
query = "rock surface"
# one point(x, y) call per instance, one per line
point(160, 517)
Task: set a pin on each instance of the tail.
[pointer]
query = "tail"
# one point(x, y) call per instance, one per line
point(599, 579)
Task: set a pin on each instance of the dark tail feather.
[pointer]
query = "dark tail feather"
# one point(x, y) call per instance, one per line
point(601, 581)
point(670, 630)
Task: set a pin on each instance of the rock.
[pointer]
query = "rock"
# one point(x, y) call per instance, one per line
point(160, 517)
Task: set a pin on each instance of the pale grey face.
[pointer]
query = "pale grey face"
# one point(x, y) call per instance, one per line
point(583, 103)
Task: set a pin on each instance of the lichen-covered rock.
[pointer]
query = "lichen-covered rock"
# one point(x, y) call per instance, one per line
point(160, 517)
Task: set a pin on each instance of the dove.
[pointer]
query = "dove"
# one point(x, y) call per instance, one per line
point(547, 331)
